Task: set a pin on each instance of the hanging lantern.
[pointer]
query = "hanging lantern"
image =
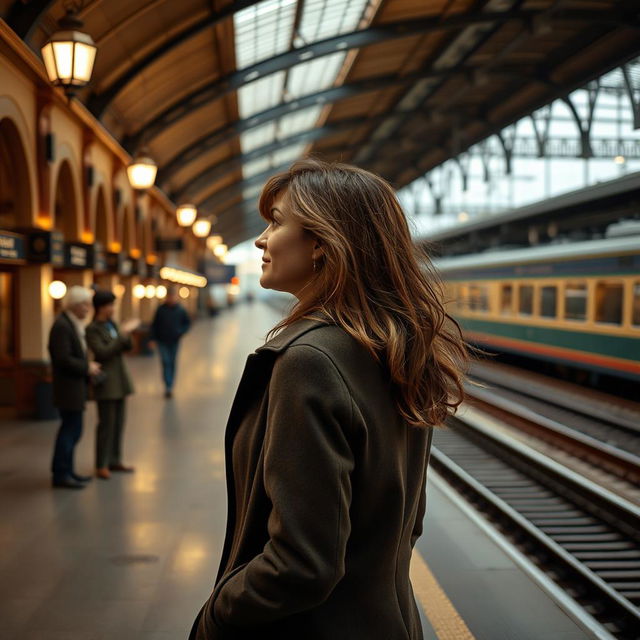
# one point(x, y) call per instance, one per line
point(139, 291)
point(69, 54)
point(186, 214)
point(150, 291)
point(142, 171)
point(213, 241)
point(161, 292)
point(201, 228)
point(220, 250)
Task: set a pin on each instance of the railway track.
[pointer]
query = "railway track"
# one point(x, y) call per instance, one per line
point(585, 537)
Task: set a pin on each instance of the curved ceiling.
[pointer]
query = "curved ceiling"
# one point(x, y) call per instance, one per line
point(225, 92)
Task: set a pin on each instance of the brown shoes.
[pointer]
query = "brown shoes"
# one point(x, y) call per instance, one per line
point(121, 467)
point(103, 473)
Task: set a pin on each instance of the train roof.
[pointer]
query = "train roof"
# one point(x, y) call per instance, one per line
point(567, 251)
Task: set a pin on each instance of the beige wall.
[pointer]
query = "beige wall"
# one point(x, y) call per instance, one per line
point(34, 107)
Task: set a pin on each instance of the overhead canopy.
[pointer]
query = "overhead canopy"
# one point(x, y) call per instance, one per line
point(223, 93)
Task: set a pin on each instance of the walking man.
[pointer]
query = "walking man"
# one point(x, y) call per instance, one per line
point(170, 323)
point(71, 370)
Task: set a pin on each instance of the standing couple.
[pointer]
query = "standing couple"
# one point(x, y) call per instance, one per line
point(69, 343)
point(73, 370)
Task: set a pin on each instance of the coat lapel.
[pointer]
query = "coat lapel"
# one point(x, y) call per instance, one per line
point(74, 332)
point(254, 381)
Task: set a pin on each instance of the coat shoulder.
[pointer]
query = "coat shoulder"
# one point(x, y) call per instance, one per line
point(334, 342)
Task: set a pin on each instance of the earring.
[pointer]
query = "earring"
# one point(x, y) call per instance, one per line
point(314, 265)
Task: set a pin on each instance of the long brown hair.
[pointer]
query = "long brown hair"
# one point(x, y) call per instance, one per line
point(375, 283)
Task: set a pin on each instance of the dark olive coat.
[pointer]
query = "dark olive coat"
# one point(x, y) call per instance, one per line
point(108, 351)
point(325, 490)
point(69, 365)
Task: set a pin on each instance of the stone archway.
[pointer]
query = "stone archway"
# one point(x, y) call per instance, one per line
point(101, 221)
point(65, 204)
point(128, 241)
point(15, 185)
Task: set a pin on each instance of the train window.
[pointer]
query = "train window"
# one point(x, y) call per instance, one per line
point(575, 301)
point(609, 302)
point(478, 297)
point(549, 301)
point(506, 299)
point(525, 304)
point(635, 305)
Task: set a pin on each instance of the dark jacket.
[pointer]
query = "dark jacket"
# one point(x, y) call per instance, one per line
point(108, 351)
point(325, 487)
point(170, 323)
point(69, 364)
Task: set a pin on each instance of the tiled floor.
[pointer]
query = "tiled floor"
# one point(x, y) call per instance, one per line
point(134, 558)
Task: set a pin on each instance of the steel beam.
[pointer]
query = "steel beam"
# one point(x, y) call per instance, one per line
point(357, 39)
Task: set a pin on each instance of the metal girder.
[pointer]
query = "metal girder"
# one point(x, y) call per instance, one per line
point(98, 102)
point(555, 92)
point(333, 94)
point(220, 199)
point(219, 169)
point(357, 39)
point(396, 123)
point(218, 88)
point(220, 136)
point(23, 17)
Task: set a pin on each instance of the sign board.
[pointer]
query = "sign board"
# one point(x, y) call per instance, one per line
point(46, 246)
point(217, 273)
point(11, 246)
point(169, 244)
point(99, 258)
point(78, 255)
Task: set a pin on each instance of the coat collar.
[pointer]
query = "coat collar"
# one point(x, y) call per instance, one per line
point(294, 331)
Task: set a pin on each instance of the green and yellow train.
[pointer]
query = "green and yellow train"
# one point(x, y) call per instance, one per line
point(576, 304)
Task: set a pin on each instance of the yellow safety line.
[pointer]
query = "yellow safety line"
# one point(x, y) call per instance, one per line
point(445, 620)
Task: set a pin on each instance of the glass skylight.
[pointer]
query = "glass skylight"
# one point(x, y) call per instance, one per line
point(266, 30)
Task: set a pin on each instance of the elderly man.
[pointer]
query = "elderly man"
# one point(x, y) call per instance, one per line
point(71, 371)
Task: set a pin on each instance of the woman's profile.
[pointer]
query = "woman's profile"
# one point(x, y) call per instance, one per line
point(328, 437)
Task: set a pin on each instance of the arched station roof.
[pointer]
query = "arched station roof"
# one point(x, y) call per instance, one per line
point(224, 92)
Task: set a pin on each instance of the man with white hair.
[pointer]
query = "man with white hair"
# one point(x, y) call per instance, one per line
point(71, 372)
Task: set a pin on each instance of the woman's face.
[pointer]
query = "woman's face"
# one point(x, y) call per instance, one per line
point(288, 252)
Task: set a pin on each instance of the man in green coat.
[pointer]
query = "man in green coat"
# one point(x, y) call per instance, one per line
point(107, 342)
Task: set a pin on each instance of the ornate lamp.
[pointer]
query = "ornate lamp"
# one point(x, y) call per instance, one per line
point(142, 171)
point(186, 214)
point(69, 54)
point(213, 241)
point(201, 228)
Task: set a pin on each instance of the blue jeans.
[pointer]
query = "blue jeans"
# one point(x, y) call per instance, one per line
point(168, 354)
point(68, 435)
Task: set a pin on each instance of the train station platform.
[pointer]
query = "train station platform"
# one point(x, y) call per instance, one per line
point(133, 558)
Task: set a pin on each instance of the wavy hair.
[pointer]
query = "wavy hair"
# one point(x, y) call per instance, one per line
point(374, 282)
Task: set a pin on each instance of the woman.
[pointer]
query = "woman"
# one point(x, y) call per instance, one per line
point(328, 437)
point(107, 343)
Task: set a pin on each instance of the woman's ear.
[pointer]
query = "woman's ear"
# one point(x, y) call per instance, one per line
point(318, 251)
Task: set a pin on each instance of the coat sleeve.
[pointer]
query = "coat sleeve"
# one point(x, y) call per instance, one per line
point(102, 350)
point(307, 476)
point(422, 504)
point(61, 352)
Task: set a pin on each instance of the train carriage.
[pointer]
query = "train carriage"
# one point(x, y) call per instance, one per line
point(576, 304)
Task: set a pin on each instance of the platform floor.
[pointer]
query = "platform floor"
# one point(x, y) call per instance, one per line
point(134, 558)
